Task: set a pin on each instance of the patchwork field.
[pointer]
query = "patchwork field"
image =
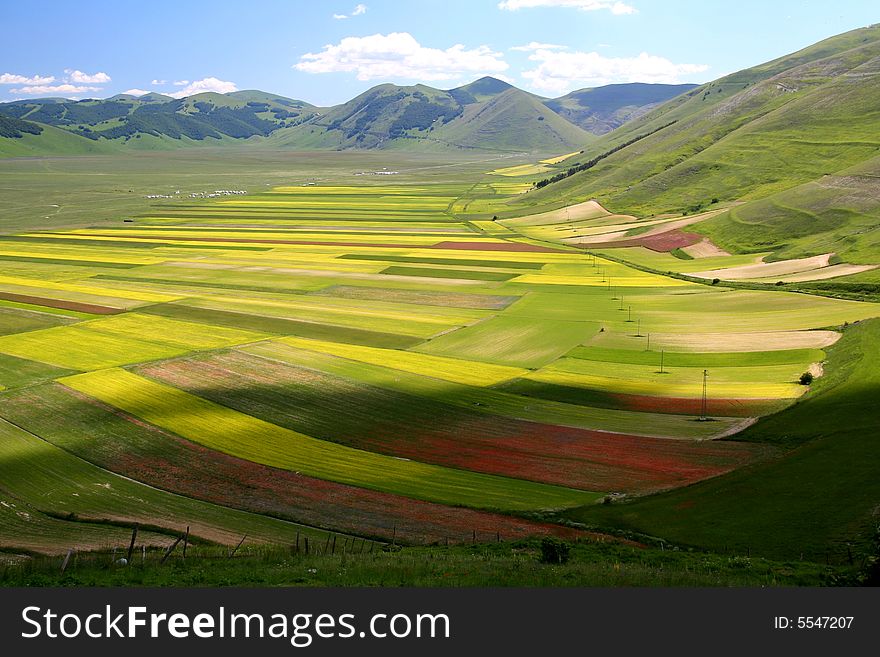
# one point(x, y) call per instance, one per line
point(383, 360)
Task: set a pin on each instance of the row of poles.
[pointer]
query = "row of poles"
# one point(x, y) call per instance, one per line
point(638, 334)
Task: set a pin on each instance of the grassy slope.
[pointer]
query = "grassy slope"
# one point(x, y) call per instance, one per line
point(514, 120)
point(52, 141)
point(748, 135)
point(832, 213)
point(812, 501)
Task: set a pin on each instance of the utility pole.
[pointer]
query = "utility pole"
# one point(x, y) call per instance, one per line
point(661, 362)
point(703, 417)
point(648, 348)
point(639, 328)
point(629, 317)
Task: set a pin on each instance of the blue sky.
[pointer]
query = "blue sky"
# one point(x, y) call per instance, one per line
point(327, 52)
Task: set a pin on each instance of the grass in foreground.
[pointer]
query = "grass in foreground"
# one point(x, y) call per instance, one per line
point(501, 564)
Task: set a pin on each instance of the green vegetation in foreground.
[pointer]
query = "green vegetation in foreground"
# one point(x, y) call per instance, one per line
point(819, 500)
point(503, 564)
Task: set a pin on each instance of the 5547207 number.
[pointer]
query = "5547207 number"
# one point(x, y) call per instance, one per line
point(813, 622)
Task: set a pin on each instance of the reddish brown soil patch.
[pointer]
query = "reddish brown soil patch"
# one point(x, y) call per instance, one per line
point(692, 406)
point(90, 308)
point(661, 242)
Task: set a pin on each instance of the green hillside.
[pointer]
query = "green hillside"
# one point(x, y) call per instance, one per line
point(480, 90)
point(836, 212)
point(48, 141)
point(487, 114)
point(747, 136)
point(513, 120)
point(378, 115)
point(603, 109)
point(125, 118)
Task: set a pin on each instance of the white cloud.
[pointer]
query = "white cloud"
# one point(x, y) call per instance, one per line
point(617, 8)
point(357, 11)
point(205, 85)
point(12, 78)
point(158, 83)
point(136, 92)
point(399, 55)
point(84, 78)
point(561, 72)
point(65, 90)
point(534, 45)
point(180, 83)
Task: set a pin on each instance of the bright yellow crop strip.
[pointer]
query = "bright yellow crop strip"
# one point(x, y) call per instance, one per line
point(644, 280)
point(229, 431)
point(77, 348)
point(520, 170)
point(173, 332)
point(558, 159)
point(47, 286)
point(80, 254)
point(378, 203)
point(745, 390)
point(438, 367)
point(491, 226)
point(315, 190)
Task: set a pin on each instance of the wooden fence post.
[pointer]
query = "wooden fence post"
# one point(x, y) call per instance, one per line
point(232, 554)
point(185, 541)
point(134, 535)
point(171, 549)
point(66, 560)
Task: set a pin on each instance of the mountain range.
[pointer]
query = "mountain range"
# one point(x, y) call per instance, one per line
point(488, 114)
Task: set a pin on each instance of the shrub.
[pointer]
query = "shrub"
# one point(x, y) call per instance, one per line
point(806, 379)
point(554, 550)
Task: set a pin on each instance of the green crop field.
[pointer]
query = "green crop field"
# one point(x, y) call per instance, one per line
point(366, 358)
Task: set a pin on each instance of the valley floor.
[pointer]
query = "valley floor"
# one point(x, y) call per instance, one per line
point(372, 356)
